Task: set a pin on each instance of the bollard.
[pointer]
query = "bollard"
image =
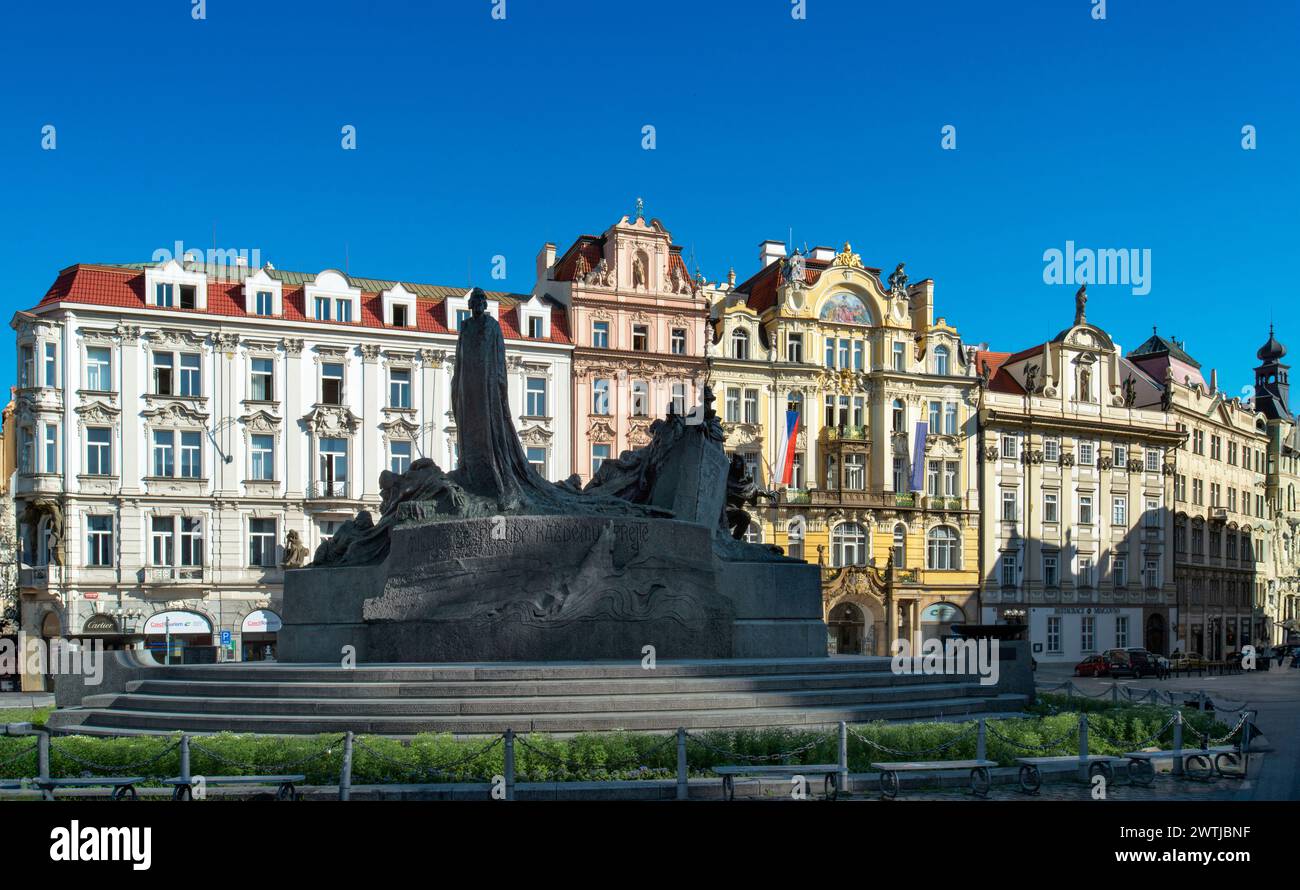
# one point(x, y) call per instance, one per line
point(981, 742)
point(43, 762)
point(844, 756)
point(1114, 692)
point(1178, 743)
point(683, 788)
point(185, 758)
point(345, 777)
point(1083, 746)
point(510, 764)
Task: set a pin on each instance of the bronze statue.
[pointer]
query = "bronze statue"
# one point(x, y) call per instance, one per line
point(898, 282)
point(1080, 303)
point(295, 551)
point(741, 490)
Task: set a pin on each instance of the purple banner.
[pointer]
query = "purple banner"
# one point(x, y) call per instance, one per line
point(918, 456)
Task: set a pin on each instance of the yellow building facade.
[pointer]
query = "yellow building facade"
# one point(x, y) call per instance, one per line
point(883, 484)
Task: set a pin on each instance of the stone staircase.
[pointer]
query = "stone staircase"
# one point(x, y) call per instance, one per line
point(561, 698)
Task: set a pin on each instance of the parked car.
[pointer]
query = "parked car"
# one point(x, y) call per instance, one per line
point(1129, 663)
point(1159, 664)
point(1182, 661)
point(1092, 666)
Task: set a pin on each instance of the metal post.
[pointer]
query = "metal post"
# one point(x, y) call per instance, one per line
point(510, 764)
point(981, 742)
point(1178, 743)
point(1114, 692)
point(844, 756)
point(345, 778)
point(683, 788)
point(1083, 746)
point(43, 761)
point(185, 758)
point(1200, 699)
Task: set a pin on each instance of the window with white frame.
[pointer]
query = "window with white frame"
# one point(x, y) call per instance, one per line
point(1051, 507)
point(751, 406)
point(51, 449)
point(1119, 571)
point(600, 334)
point(1054, 634)
point(599, 454)
point(99, 451)
point(99, 368)
point(848, 545)
point(1085, 509)
point(640, 398)
point(333, 466)
point(640, 338)
point(1051, 570)
point(678, 340)
point(262, 294)
point(169, 445)
point(262, 449)
point(1119, 512)
point(1009, 566)
point(941, 362)
point(1087, 454)
point(261, 542)
point(1151, 574)
point(740, 344)
point(99, 540)
point(26, 366)
point(536, 455)
point(177, 374)
point(1120, 456)
point(1152, 516)
point(731, 403)
point(855, 472)
point(1085, 577)
point(678, 402)
point(1153, 457)
point(331, 383)
point(162, 538)
point(332, 298)
point(1052, 449)
point(600, 396)
point(900, 356)
point(399, 455)
point(1121, 631)
point(398, 306)
point(1087, 632)
point(399, 387)
point(1010, 506)
point(535, 397)
point(943, 549)
point(262, 379)
point(1009, 449)
point(794, 348)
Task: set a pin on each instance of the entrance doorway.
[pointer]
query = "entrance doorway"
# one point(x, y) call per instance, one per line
point(1155, 638)
point(847, 626)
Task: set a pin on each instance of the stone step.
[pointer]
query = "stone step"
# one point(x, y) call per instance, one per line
point(648, 682)
point(106, 721)
point(503, 706)
point(527, 671)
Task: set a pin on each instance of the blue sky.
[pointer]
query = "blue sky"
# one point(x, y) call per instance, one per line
point(478, 137)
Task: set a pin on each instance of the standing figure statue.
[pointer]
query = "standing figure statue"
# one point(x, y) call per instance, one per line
point(898, 282)
point(1081, 303)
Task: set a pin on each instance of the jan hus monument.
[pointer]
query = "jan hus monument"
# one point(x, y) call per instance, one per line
point(491, 562)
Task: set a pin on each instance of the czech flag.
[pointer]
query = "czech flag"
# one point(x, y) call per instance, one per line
point(785, 454)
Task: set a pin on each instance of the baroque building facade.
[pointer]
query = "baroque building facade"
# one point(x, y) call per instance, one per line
point(184, 432)
point(638, 327)
point(881, 484)
point(1076, 491)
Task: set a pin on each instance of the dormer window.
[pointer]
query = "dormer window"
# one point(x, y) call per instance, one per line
point(262, 294)
point(458, 309)
point(332, 298)
point(535, 327)
point(399, 306)
point(535, 318)
point(171, 286)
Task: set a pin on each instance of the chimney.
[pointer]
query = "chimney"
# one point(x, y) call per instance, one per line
point(1214, 380)
point(825, 254)
point(770, 251)
point(545, 261)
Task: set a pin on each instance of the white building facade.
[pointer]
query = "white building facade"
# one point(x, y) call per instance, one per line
point(182, 431)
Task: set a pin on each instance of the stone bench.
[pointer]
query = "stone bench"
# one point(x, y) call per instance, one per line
point(183, 788)
point(980, 781)
point(1031, 777)
point(1196, 762)
point(729, 775)
point(123, 786)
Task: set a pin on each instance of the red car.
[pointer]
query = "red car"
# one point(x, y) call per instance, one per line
point(1092, 666)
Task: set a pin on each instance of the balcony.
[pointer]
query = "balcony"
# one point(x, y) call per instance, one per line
point(39, 577)
point(174, 575)
point(844, 434)
point(328, 488)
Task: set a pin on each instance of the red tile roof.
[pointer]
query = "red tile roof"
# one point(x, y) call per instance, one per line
point(123, 286)
point(999, 379)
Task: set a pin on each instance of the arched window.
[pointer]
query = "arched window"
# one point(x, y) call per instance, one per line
point(942, 548)
point(848, 545)
point(941, 356)
point(740, 343)
point(900, 545)
point(900, 417)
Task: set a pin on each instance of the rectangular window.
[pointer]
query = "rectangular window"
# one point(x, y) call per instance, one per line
point(1119, 512)
point(189, 296)
point(99, 540)
point(640, 337)
point(936, 415)
point(191, 541)
point(99, 451)
point(262, 387)
point(1151, 575)
point(794, 348)
point(27, 368)
point(343, 309)
point(1152, 515)
point(950, 479)
point(1009, 451)
point(399, 456)
point(99, 368)
point(163, 295)
point(732, 402)
point(640, 398)
point(535, 401)
point(399, 388)
point(1153, 456)
point(600, 396)
point(1085, 571)
point(263, 304)
point(844, 354)
point(933, 473)
point(261, 543)
point(858, 352)
point(263, 448)
point(322, 308)
point(536, 327)
point(1010, 512)
point(164, 453)
point(1120, 571)
point(1087, 632)
point(537, 460)
point(1086, 454)
point(1009, 570)
point(830, 352)
point(679, 341)
point(950, 418)
point(331, 383)
point(163, 367)
point(751, 406)
point(1121, 456)
point(1051, 507)
point(162, 536)
point(855, 472)
point(599, 454)
point(51, 449)
point(191, 454)
point(1054, 634)
point(1051, 449)
point(334, 465)
point(1216, 448)
point(1085, 509)
point(1121, 631)
point(27, 450)
point(1051, 571)
point(600, 334)
point(900, 474)
point(462, 316)
point(678, 404)
point(900, 356)
point(399, 316)
point(51, 364)
point(191, 381)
